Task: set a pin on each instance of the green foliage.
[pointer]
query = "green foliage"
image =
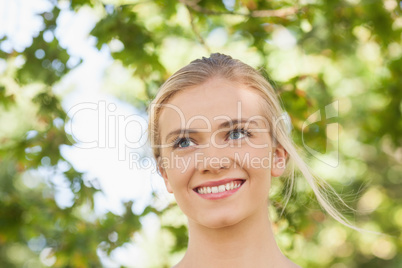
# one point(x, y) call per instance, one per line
point(346, 51)
point(139, 46)
point(44, 54)
point(6, 100)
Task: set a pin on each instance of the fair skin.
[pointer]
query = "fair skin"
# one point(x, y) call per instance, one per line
point(229, 228)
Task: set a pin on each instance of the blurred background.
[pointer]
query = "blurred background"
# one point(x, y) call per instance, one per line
point(78, 186)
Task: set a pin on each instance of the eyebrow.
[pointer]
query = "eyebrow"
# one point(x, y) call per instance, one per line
point(226, 124)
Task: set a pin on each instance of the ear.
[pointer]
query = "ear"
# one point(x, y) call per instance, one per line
point(162, 171)
point(278, 161)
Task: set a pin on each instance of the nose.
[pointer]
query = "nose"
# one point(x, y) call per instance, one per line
point(212, 160)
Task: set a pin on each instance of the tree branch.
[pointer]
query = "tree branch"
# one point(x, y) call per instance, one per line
point(280, 13)
point(197, 33)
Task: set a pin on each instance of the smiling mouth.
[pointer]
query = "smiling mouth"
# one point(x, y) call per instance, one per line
point(219, 188)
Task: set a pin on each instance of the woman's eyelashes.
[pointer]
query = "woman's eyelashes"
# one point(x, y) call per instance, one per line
point(182, 142)
point(234, 134)
point(238, 133)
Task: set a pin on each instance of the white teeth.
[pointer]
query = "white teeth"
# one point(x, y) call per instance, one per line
point(219, 189)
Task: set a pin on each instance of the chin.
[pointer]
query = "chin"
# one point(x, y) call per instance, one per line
point(217, 220)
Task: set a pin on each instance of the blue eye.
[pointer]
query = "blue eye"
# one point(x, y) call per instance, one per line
point(235, 135)
point(238, 134)
point(182, 143)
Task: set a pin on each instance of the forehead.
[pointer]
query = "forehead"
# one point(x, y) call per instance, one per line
point(214, 101)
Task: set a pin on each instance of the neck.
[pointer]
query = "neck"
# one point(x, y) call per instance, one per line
point(249, 243)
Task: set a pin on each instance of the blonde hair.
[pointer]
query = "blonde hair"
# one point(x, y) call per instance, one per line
point(223, 66)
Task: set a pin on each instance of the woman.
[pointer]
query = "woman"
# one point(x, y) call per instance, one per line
point(218, 135)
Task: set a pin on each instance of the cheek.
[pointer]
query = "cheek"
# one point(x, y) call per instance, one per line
point(260, 183)
point(179, 170)
point(254, 159)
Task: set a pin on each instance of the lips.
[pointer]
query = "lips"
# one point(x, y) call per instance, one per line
point(219, 189)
